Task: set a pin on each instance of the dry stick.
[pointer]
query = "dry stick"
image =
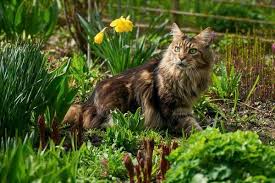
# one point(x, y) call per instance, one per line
point(141, 160)
point(164, 164)
point(42, 129)
point(88, 45)
point(80, 130)
point(138, 173)
point(200, 15)
point(176, 6)
point(148, 160)
point(69, 23)
point(245, 4)
point(192, 30)
point(145, 169)
point(249, 106)
point(130, 167)
point(55, 131)
point(174, 145)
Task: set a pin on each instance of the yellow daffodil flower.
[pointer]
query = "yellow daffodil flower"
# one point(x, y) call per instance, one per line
point(98, 39)
point(122, 24)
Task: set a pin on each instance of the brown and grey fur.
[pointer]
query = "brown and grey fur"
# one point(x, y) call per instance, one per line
point(165, 89)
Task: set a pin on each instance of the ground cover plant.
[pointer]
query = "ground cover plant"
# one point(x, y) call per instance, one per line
point(230, 157)
point(39, 80)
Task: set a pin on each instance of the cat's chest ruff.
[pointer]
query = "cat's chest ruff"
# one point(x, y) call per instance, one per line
point(178, 87)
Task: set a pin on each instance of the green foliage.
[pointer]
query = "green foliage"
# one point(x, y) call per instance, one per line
point(102, 162)
point(59, 94)
point(28, 89)
point(133, 122)
point(231, 10)
point(225, 84)
point(23, 82)
point(34, 18)
point(20, 162)
point(232, 157)
point(121, 50)
point(83, 75)
point(124, 132)
point(205, 106)
point(55, 164)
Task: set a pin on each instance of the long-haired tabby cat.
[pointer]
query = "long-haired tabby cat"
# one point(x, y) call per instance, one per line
point(165, 89)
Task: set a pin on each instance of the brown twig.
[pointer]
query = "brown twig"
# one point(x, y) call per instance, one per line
point(130, 167)
point(149, 144)
point(42, 131)
point(55, 135)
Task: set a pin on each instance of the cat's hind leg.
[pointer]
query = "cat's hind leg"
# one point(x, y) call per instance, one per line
point(92, 118)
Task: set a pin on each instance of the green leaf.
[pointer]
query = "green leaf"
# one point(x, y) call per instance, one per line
point(18, 15)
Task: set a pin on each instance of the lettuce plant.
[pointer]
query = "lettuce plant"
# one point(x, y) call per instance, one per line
point(211, 156)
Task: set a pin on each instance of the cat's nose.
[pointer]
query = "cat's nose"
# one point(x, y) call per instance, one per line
point(183, 60)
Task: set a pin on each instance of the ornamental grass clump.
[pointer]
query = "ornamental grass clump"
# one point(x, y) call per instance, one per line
point(23, 82)
point(211, 156)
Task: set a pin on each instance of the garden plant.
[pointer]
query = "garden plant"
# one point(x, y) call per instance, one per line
point(53, 54)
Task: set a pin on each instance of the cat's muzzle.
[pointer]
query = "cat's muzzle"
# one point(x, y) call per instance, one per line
point(182, 63)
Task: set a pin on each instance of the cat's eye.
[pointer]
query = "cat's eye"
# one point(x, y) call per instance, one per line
point(177, 48)
point(193, 51)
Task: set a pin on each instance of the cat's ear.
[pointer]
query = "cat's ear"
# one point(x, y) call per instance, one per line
point(176, 32)
point(206, 36)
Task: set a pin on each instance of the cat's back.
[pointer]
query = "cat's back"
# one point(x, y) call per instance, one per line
point(122, 88)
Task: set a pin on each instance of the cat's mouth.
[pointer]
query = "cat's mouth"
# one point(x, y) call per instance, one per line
point(182, 64)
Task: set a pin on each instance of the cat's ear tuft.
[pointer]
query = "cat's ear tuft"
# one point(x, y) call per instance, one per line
point(175, 31)
point(206, 36)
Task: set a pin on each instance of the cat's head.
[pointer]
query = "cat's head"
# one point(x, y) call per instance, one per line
point(186, 52)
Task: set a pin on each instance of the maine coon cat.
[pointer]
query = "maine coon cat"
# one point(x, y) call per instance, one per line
point(165, 89)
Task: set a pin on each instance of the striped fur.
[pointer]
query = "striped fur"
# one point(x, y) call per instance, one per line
point(165, 89)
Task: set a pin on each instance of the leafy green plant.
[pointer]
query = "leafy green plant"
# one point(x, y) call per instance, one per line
point(28, 89)
point(205, 106)
point(124, 132)
point(34, 18)
point(23, 82)
point(121, 50)
point(59, 94)
point(131, 121)
point(225, 84)
point(101, 163)
point(231, 157)
point(83, 76)
point(51, 165)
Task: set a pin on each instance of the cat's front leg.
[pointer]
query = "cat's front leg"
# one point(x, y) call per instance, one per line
point(188, 123)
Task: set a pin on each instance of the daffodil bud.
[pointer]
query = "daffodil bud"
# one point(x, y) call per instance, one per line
point(98, 39)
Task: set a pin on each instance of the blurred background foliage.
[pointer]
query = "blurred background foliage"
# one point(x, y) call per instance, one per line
point(48, 61)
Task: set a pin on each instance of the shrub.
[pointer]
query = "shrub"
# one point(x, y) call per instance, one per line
point(28, 89)
point(231, 10)
point(34, 18)
point(231, 157)
point(23, 81)
point(20, 162)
